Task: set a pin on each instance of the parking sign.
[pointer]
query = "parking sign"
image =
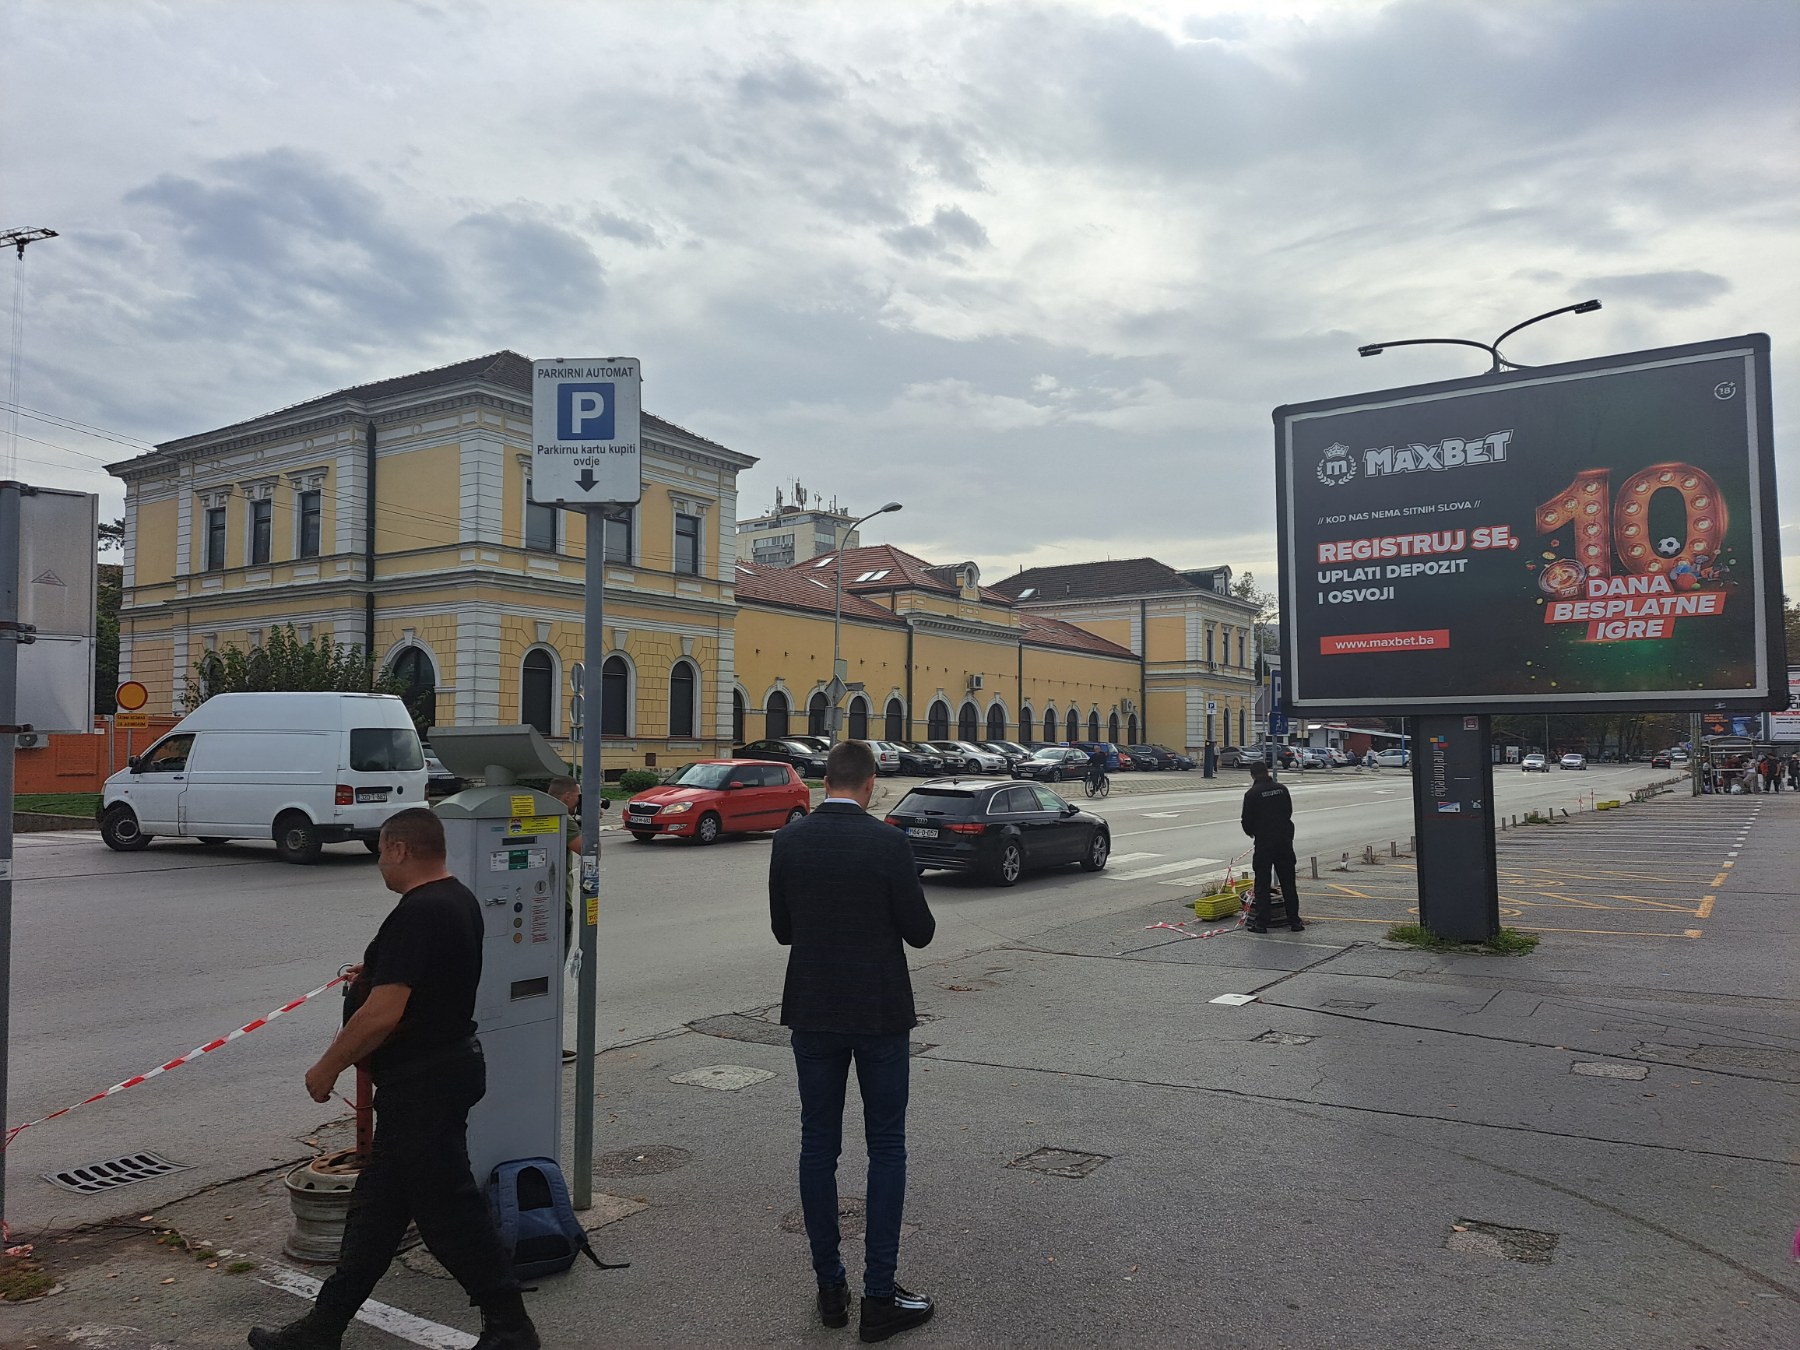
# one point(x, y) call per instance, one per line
point(584, 430)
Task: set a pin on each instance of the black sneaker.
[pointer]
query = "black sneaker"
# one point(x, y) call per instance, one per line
point(834, 1304)
point(1295, 926)
point(309, 1333)
point(510, 1334)
point(1255, 926)
point(884, 1317)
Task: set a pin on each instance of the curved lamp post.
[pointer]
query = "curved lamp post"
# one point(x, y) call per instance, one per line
point(837, 622)
point(1491, 348)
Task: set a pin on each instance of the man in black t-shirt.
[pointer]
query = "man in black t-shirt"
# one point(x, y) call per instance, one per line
point(1268, 818)
point(412, 1024)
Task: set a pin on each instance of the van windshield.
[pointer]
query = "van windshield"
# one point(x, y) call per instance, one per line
point(385, 750)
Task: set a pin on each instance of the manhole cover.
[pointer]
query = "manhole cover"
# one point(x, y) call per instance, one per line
point(722, 1077)
point(114, 1172)
point(1060, 1162)
point(646, 1161)
point(1511, 1244)
point(738, 1027)
point(1282, 1038)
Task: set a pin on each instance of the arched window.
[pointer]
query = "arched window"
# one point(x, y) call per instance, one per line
point(996, 723)
point(1243, 734)
point(1225, 725)
point(537, 690)
point(968, 723)
point(1131, 728)
point(615, 697)
point(937, 722)
point(817, 709)
point(1074, 725)
point(896, 720)
point(684, 680)
point(413, 669)
point(1093, 725)
point(737, 716)
point(1112, 728)
point(775, 716)
point(859, 718)
point(1027, 724)
point(1050, 724)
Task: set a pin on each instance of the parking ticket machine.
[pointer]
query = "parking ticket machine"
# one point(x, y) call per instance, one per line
point(506, 844)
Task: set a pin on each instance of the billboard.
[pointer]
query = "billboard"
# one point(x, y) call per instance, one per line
point(1589, 536)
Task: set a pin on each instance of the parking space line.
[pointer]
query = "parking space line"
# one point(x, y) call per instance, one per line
point(1705, 910)
point(1719, 880)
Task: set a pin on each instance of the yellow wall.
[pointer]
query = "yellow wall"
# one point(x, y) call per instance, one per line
point(154, 542)
point(418, 498)
point(1166, 639)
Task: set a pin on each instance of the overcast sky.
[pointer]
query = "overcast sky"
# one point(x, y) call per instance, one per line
point(1039, 270)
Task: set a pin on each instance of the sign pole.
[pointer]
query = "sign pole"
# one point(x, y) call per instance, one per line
point(593, 779)
point(10, 636)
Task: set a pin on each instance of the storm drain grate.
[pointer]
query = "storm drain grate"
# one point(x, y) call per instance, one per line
point(1528, 1245)
point(113, 1173)
point(1060, 1162)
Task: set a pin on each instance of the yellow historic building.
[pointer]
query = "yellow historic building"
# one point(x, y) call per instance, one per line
point(395, 516)
point(1196, 639)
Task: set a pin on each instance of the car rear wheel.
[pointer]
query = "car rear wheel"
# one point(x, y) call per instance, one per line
point(708, 829)
point(296, 840)
point(798, 813)
point(1056, 775)
point(1010, 865)
point(1099, 849)
point(120, 830)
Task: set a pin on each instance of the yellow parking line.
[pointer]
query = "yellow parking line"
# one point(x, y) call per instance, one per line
point(1360, 895)
point(1562, 899)
point(1648, 903)
point(1607, 932)
point(1719, 880)
point(1705, 910)
point(1728, 864)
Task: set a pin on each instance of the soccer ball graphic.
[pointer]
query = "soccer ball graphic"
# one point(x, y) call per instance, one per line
point(1668, 546)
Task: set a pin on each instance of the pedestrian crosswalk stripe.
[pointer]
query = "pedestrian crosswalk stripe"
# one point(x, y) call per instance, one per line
point(1185, 865)
point(1118, 859)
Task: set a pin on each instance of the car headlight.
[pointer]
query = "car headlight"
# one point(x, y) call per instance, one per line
point(676, 808)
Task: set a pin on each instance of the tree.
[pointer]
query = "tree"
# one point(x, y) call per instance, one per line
point(284, 662)
point(1790, 618)
point(109, 586)
point(111, 535)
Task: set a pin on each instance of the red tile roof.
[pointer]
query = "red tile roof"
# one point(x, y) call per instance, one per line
point(792, 588)
point(1078, 581)
point(1040, 630)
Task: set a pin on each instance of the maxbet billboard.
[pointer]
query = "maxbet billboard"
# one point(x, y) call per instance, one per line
point(1599, 534)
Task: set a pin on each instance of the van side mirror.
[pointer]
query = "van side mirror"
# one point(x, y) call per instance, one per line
point(132, 763)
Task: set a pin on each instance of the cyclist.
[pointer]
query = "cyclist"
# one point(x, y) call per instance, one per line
point(1096, 770)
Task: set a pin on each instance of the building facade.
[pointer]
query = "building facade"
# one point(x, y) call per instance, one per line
point(799, 528)
point(1196, 640)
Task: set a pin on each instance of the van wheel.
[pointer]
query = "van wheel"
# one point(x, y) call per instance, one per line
point(213, 840)
point(296, 840)
point(119, 828)
point(707, 831)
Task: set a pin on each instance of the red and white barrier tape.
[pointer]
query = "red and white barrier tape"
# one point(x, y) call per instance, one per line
point(189, 1057)
point(1180, 929)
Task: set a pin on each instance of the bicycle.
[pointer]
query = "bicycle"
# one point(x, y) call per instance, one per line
point(1097, 787)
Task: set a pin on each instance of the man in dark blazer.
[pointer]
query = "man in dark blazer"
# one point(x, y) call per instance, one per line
point(844, 894)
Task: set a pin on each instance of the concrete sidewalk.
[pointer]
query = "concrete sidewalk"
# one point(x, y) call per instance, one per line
point(1591, 1146)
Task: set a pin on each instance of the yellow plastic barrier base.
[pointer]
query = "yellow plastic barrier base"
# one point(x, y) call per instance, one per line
point(1218, 906)
point(1606, 806)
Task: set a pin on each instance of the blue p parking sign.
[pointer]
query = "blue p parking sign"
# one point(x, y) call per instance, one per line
point(585, 412)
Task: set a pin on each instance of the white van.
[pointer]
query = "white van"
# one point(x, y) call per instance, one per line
point(301, 769)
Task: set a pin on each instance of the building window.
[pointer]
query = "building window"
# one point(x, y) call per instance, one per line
point(615, 697)
point(262, 520)
point(311, 522)
point(215, 538)
point(1050, 724)
point(1243, 729)
point(773, 550)
point(937, 722)
point(1131, 729)
point(968, 723)
point(817, 709)
point(824, 541)
point(683, 683)
point(896, 720)
point(859, 719)
point(617, 534)
point(996, 720)
point(1027, 724)
point(1094, 725)
point(687, 544)
point(1112, 728)
point(1240, 649)
point(738, 713)
point(1074, 725)
point(537, 690)
point(1209, 644)
point(775, 716)
point(419, 685)
point(540, 523)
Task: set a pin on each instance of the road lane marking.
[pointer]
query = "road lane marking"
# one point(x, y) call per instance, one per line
point(1162, 815)
point(1360, 895)
point(1186, 865)
point(413, 1330)
point(1118, 859)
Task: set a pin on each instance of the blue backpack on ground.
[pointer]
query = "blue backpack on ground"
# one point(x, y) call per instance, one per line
point(537, 1223)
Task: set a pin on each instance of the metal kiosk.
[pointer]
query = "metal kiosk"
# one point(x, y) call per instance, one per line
point(506, 844)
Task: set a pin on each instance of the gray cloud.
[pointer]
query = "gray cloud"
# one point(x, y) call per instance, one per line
point(532, 269)
point(951, 228)
point(1664, 290)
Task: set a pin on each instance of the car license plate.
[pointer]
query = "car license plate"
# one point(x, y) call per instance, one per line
point(371, 794)
point(921, 832)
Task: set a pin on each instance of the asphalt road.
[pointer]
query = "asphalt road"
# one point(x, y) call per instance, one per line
point(122, 962)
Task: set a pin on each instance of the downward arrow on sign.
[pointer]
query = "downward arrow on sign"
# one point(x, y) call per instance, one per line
point(586, 480)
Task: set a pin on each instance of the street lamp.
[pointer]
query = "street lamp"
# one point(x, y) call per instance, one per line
point(837, 688)
point(1491, 348)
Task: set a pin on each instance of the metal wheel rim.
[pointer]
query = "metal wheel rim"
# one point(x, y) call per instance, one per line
point(1012, 862)
point(795, 814)
point(709, 829)
point(125, 827)
point(1099, 850)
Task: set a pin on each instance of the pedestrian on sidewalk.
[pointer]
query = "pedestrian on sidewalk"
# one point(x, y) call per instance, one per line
point(1268, 818)
point(844, 894)
point(412, 1023)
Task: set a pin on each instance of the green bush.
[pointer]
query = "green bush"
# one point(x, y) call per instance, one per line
point(638, 780)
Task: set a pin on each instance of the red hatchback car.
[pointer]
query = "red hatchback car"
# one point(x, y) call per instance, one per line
point(711, 797)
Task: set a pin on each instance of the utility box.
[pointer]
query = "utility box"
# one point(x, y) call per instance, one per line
point(507, 845)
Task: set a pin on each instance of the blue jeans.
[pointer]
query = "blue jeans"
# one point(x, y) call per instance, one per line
point(822, 1066)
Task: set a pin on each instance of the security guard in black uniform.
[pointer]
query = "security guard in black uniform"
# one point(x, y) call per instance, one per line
point(412, 1023)
point(1269, 819)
